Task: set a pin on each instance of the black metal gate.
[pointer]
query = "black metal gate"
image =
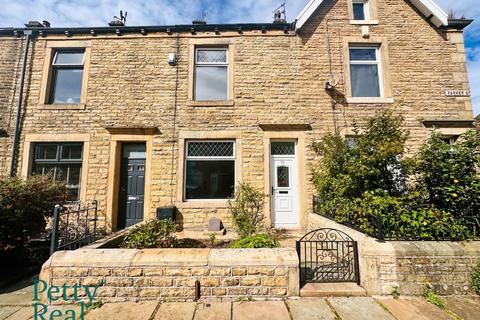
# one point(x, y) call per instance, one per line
point(74, 226)
point(328, 255)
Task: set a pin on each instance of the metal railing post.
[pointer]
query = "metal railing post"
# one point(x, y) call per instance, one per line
point(56, 223)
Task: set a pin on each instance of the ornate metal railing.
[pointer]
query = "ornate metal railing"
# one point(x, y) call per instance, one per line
point(328, 255)
point(386, 228)
point(74, 226)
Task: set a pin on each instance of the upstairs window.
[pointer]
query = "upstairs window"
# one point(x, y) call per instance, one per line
point(63, 162)
point(365, 71)
point(210, 170)
point(211, 74)
point(361, 10)
point(67, 77)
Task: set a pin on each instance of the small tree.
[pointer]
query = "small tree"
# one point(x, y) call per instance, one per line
point(372, 164)
point(24, 207)
point(449, 173)
point(247, 210)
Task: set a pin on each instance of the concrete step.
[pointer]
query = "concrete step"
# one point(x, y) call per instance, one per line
point(347, 289)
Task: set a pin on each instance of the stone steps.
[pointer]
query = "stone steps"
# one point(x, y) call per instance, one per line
point(347, 289)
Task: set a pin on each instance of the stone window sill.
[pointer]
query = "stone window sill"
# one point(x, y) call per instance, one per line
point(364, 22)
point(58, 106)
point(202, 204)
point(219, 103)
point(371, 100)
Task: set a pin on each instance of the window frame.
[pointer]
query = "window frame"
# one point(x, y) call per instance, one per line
point(377, 62)
point(206, 158)
point(51, 47)
point(59, 161)
point(196, 65)
point(366, 10)
point(54, 72)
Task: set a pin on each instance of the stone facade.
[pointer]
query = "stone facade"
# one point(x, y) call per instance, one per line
point(170, 274)
point(278, 78)
point(10, 65)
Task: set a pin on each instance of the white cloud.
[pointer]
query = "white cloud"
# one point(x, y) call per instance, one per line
point(75, 13)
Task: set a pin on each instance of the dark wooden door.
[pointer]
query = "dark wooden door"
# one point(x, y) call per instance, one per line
point(132, 185)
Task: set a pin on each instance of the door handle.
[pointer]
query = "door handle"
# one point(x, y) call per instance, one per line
point(273, 191)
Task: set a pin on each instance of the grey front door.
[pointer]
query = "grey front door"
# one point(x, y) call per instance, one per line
point(132, 185)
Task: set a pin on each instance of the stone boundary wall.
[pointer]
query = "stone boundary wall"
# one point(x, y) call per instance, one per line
point(410, 264)
point(170, 274)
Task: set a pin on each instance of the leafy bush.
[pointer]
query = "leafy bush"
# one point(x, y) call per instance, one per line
point(25, 205)
point(371, 183)
point(448, 173)
point(247, 210)
point(261, 240)
point(152, 234)
point(476, 279)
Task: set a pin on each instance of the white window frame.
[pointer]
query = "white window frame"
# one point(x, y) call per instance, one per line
point(203, 158)
point(210, 64)
point(377, 62)
point(366, 9)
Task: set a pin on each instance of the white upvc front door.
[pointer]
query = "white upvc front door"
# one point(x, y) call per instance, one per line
point(284, 185)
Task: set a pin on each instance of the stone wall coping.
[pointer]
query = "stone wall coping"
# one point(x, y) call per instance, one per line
point(92, 257)
point(286, 257)
point(171, 257)
point(424, 248)
point(283, 257)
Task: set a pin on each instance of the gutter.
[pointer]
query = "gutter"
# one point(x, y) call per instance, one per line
point(193, 28)
point(16, 135)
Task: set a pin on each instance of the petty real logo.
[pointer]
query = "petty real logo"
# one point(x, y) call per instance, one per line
point(79, 297)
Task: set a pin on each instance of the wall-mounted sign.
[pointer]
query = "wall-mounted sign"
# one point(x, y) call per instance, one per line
point(457, 93)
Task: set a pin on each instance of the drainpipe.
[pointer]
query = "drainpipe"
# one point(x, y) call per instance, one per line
point(16, 135)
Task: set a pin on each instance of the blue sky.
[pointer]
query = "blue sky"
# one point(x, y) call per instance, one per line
point(63, 13)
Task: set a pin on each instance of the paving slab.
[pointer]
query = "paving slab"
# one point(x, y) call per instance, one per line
point(359, 308)
point(346, 289)
point(24, 313)
point(466, 307)
point(414, 308)
point(123, 311)
point(214, 311)
point(310, 309)
point(17, 297)
point(5, 312)
point(264, 310)
point(175, 311)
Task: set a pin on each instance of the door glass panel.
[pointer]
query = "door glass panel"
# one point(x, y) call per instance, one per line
point(135, 151)
point(283, 148)
point(283, 180)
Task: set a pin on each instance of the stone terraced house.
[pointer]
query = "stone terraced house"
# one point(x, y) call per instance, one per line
point(142, 118)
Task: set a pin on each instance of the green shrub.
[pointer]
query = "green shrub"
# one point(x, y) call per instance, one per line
point(261, 240)
point(247, 210)
point(428, 197)
point(476, 279)
point(25, 205)
point(449, 174)
point(152, 234)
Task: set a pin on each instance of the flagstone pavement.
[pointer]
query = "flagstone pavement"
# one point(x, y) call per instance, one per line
point(15, 304)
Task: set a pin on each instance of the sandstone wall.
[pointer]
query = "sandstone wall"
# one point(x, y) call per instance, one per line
point(411, 264)
point(10, 65)
point(170, 274)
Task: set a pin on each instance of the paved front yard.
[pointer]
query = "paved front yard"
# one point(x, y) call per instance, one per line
point(302, 309)
point(15, 304)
